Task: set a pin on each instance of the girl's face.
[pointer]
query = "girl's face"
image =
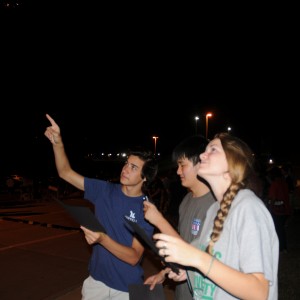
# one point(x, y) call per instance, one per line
point(213, 160)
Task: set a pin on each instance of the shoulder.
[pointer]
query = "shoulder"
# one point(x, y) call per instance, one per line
point(101, 184)
point(209, 197)
point(247, 205)
point(186, 199)
point(247, 197)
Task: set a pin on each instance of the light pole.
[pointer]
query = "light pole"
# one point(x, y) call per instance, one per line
point(196, 119)
point(155, 138)
point(208, 115)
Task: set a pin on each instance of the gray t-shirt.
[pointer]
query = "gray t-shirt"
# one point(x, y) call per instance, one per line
point(192, 213)
point(248, 243)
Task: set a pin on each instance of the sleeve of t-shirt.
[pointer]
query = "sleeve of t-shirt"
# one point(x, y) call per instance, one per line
point(92, 188)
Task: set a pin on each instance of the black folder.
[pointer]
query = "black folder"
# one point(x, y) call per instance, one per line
point(142, 291)
point(84, 216)
point(142, 234)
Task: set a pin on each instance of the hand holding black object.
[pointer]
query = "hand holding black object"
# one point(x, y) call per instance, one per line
point(141, 233)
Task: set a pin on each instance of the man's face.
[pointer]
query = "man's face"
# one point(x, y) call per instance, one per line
point(131, 171)
point(187, 172)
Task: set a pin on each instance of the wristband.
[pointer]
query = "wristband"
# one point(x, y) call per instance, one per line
point(210, 266)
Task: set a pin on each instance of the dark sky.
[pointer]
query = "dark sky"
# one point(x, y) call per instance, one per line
point(112, 102)
point(110, 85)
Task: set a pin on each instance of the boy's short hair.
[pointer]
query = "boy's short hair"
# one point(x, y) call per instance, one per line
point(190, 148)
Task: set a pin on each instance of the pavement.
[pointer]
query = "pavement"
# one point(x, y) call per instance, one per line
point(43, 254)
point(49, 261)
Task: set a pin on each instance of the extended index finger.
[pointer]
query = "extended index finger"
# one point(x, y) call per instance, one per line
point(51, 120)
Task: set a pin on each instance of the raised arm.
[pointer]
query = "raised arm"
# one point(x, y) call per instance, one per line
point(61, 160)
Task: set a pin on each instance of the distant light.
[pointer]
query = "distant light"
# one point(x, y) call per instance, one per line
point(155, 138)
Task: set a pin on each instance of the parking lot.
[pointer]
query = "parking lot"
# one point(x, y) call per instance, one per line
point(43, 254)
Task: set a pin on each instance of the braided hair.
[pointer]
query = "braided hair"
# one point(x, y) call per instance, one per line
point(240, 161)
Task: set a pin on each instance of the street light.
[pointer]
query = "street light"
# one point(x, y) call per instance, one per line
point(196, 118)
point(155, 138)
point(228, 129)
point(208, 115)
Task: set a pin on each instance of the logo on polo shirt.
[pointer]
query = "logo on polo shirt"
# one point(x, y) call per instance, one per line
point(195, 226)
point(131, 217)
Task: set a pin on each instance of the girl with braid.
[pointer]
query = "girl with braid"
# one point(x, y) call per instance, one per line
point(237, 253)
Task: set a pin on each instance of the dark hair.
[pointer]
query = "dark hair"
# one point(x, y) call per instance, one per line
point(190, 148)
point(150, 167)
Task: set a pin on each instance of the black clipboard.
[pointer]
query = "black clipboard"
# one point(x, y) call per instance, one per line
point(142, 291)
point(142, 234)
point(84, 216)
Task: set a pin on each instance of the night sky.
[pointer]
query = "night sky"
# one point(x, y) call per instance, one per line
point(111, 85)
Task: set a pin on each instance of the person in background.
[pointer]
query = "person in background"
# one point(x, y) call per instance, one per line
point(279, 204)
point(192, 210)
point(116, 254)
point(158, 194)
point(289, 176)
point(237, 254)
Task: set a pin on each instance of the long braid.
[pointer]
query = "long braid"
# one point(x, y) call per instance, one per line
point(240, 161)
point(221, 216)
